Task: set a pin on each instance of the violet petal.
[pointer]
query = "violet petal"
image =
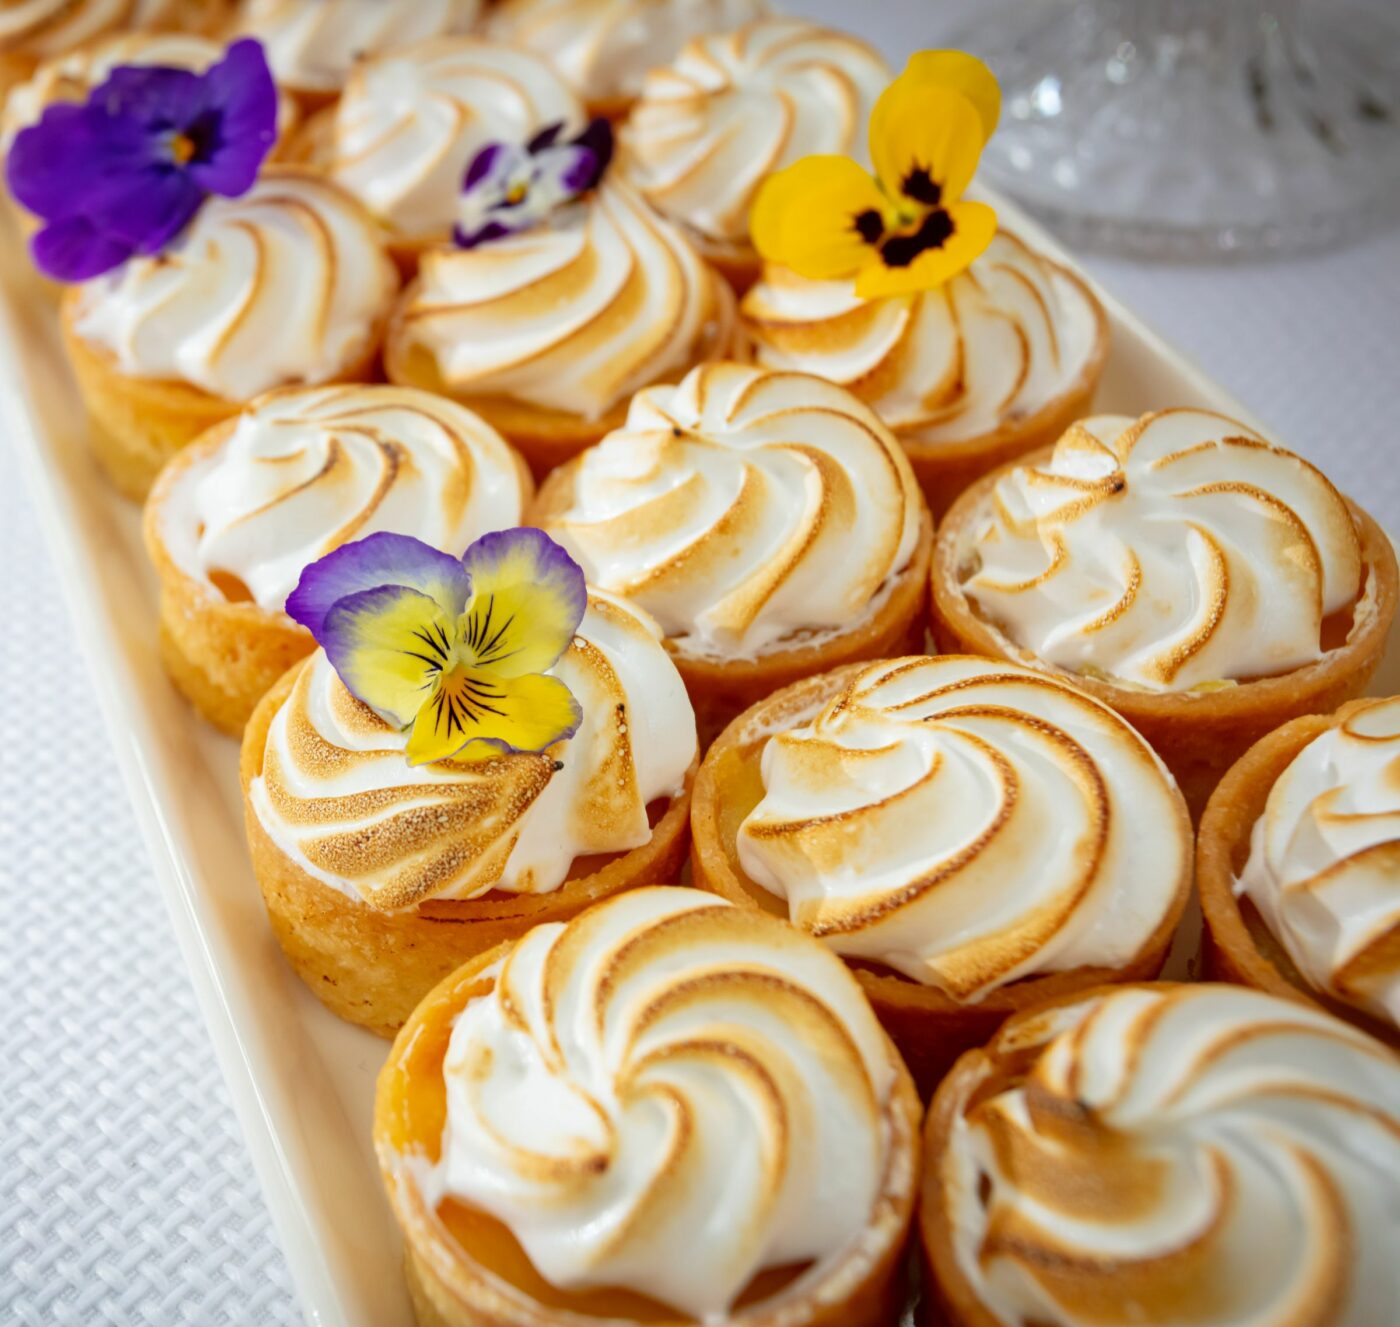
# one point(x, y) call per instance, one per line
point(74, 250)
point(378, 560)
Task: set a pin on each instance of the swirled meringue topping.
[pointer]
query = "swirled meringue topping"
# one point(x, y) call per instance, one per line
point(987, 349)
point(338, 796)
point(669, 1095)
point(604, 48)
point(968, 823)
point(1179, 549)
point(1204, 1156)
point(73, 74)
point(575, 314)
point(312, 45)
point(1324, 862)
point(742, 507)
point(306, 470)
point(736, 106)
point(410, 122)
point(46, 28)
point(287, 284)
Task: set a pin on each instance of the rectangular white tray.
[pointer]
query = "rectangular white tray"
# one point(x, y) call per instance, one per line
point(301, 1081)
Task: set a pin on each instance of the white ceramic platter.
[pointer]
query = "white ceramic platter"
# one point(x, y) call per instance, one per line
point(301, 1081)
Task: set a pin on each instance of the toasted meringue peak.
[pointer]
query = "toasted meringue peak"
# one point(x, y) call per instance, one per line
point(287, 284)
point(312, 45)
point(575, 315)
point(1204, 1156)
point(968, 823)
point(410, 122)
point(736, 106)
point(45, 28)
point(742, 507)
point(338, 796)
point(306, 470)
point(669, 1095)
point(989, 348)
point(1179, 549)
point(605, 47)
point(1324, 862)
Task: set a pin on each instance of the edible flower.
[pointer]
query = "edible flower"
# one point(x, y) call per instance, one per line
point(124, 172)
point(906, 228)
point(454, 651)
point(508, 188)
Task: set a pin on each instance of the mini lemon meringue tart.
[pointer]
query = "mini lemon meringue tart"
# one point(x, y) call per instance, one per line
point(604, 48)
point(1206, 583)
point(732, 108)
point(313, 45)
point(1204, 1156)
point(517, 766)
point(969, 835)
point(287, 284)
point(548, 333)
point(1298, 865)
point(768, 521)
point(973, 347)
point(666, 1111)
point(411, 121)
point(235, 518)
point(34, 31)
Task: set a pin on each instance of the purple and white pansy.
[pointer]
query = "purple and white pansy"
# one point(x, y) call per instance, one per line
point(508, 189)
point(124, 172)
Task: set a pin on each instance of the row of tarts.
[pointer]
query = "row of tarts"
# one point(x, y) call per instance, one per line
point(947, 878)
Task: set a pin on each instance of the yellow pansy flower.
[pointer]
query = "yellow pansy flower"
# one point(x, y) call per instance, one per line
point(906, 228)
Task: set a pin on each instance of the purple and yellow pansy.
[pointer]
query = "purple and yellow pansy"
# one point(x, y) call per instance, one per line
point(122, 173)
point(455, 651)
point(508, 188)
point(906, 228)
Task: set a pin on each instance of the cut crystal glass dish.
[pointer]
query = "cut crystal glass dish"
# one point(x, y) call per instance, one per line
point(1197, 128)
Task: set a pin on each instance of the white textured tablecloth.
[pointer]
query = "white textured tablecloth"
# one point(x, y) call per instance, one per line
point(126, 1195)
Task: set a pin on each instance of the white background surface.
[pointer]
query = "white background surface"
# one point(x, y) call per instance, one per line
point(126, 1195)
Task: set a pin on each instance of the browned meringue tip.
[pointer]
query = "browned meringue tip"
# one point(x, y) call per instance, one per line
point(1237, 944)
point(1198, 734)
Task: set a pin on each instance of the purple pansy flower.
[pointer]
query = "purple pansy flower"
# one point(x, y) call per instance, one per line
point(508, 189)
point(124, 172)
point(456, 652)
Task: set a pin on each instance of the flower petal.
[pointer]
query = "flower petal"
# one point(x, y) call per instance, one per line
point(74, 250)
point(236, 124)
point(974, 226)
point(528, 597)
point(805, 217)
point(237, 121)
point(378, 560)
point(919, 128)
point(73, 160)
point(964, 73)
point(389, 645)
point(154, 209)
point(158, 96)
point(475, 714)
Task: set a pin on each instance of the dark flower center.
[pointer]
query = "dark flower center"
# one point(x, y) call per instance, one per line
point(922, 187)
point(934, 232)
point(197, 141)
point(869, 225)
